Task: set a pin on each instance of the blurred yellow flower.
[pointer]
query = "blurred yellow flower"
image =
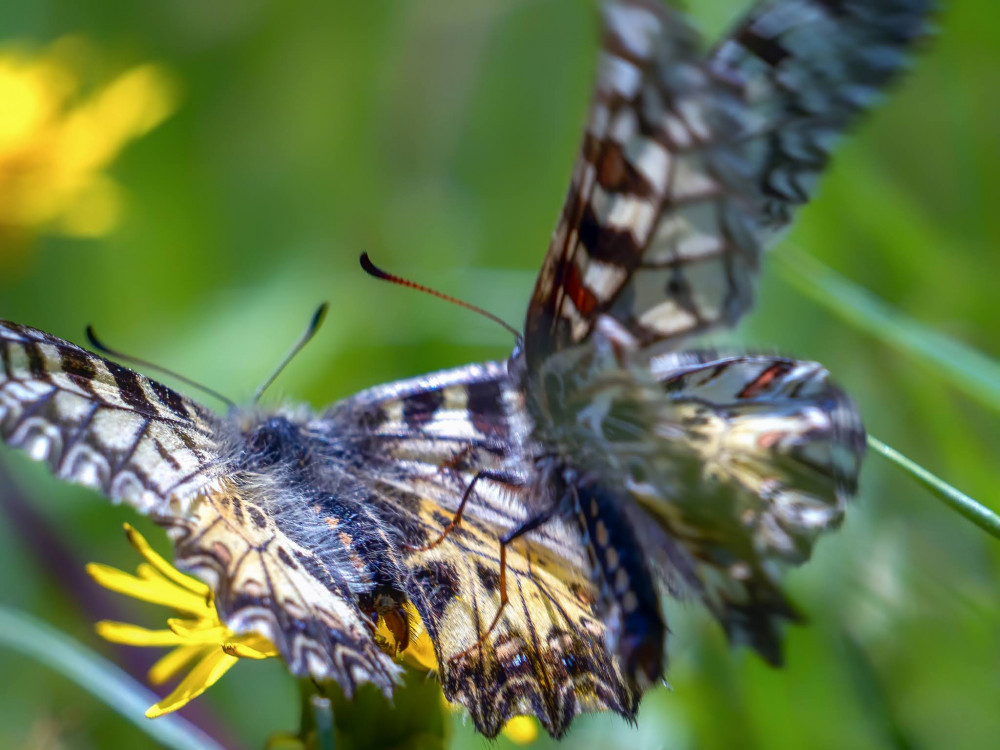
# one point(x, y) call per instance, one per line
point(56, 139)
point(202, 639)
point(199, 637)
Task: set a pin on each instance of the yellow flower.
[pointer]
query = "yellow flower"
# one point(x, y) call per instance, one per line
point(56, 140)
point(200, 637)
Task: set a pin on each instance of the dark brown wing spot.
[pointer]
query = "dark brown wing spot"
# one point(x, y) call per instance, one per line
point(257, 516)
point(79, 368)
point(617, 175)
point(419, 409)
point(170, 399)
point(486, 409)
point(488, 577)
point(605, 244)
point(440, 581)
point(129, 389)
point(767, 49)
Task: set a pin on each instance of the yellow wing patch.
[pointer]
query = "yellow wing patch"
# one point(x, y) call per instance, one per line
point(546, 657)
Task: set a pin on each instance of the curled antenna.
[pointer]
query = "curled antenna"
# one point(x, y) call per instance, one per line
point(99, 346)
point(372, 270)
point(314, 324)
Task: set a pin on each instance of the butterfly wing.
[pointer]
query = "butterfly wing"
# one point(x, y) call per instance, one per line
point(690, 162)
point(424, 442)
point(102, 425)
point(138, 442)
point(742, 466)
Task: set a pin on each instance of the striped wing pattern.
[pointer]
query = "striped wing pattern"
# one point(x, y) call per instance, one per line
point(547, 657)
point(138, 442)
point(692, 161)
point(100, 424)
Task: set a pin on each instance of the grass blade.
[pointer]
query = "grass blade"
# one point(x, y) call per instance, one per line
point(105, 681)
point(970, 370)
point(955, 499)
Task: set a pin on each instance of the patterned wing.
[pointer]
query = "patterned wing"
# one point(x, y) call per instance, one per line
point(267, 579)
point(690, 162)
point(104, 426)
point(744, 464)
point(424, 442)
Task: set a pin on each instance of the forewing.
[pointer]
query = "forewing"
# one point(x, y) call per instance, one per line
point(691, 162)
point(137, 441)
point(806, 69)
point(102, 425)
point(547, 656)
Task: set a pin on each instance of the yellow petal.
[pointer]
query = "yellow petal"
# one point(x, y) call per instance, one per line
point(170, 664)
point(134, 635)
point(138, 541)
point(521, 730)
point(420, 653)
point(235, 648)
point(259, 643)
point(200, 631)
point(205, 674)
point(157, 591)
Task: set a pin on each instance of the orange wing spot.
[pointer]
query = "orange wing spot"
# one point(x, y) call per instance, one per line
point(583, 595)
point(611, 167)
point(584, 299)
point(331, 522)
point(769, 439)
point(759, 384)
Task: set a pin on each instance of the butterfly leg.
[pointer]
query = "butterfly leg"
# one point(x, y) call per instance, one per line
point(529, 525)
point(493, 476)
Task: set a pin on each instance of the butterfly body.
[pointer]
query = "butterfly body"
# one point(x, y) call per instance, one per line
point(535, 511)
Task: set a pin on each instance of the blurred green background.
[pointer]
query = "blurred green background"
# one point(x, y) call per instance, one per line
point(438, 136)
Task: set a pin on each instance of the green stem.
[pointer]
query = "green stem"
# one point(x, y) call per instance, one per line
point(323, 715)
point(955, 499)
point(106, 682)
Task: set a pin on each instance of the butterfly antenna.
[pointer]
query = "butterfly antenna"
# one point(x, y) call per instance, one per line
point(99, 346)
point(314, 324)
point(372, 270)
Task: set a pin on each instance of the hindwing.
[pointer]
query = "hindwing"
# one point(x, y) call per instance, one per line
point(754, 458)
point(547, 657)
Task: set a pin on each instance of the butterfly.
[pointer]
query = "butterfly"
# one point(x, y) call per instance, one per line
point(534, 510)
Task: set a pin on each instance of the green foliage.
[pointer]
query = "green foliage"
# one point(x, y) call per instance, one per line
point(439, 137)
